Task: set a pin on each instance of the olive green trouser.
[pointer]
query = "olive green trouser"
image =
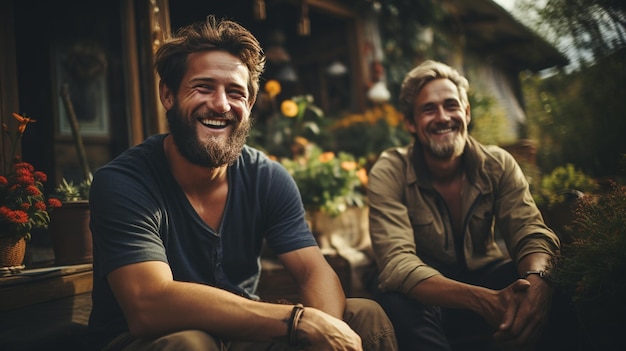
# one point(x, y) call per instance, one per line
point(364, 316)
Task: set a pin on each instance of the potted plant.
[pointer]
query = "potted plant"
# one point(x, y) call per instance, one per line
point(284, 121)
point(23, 205)
point(331, 185)
point(591, 268)
point(69, 227)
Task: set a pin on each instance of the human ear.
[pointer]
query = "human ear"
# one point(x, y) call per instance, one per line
point(166, 96)
point(409, 123)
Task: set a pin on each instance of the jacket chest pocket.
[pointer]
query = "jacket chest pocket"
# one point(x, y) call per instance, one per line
point(429, 232)
point(481, 225)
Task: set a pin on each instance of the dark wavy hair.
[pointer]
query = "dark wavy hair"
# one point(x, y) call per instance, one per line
point(212, 34)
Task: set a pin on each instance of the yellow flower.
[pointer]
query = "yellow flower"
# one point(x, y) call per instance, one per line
point(327, 156)
point(272, 87)
point(289, 108)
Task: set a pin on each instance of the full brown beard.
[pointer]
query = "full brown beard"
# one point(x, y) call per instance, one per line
point(214, 153)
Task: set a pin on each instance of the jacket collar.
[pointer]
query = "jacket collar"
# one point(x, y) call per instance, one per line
point(473, 159)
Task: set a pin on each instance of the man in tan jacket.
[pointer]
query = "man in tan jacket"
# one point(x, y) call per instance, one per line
point(434, 209)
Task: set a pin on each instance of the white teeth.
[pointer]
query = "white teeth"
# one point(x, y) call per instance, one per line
point(214, 122)
point(443, 131)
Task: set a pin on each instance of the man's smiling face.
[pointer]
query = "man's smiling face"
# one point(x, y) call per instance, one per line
point(440, 119)
point(209, 118)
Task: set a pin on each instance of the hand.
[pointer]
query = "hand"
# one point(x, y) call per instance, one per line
point(521, 329)
point(320, 331)
point(501, 308)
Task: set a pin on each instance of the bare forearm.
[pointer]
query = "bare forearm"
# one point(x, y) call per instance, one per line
point(441, 291)
point(325, 293)
point(318, 283)
point(180, 305)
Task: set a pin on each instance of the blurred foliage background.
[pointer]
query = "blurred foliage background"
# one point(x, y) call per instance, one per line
point(577, 113)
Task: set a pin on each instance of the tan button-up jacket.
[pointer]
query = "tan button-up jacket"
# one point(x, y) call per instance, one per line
point(410, 227)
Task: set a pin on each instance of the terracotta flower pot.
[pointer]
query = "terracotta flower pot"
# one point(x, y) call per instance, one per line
point(70, 234)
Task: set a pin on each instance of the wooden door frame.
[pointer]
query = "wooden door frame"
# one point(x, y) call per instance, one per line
point(9, 102)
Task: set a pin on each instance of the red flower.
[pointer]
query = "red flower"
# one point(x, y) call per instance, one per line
point(4, 212)
point(24, 166)
point(25, 179)
point(17, 216)
point(22, 201)
point(40, 176)
point(54, 203)
point(32, 190)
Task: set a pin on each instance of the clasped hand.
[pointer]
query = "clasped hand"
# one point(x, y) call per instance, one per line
point(519, 313)
point(320, 331)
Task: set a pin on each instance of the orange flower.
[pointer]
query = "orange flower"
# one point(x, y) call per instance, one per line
point(289, 108)
point(24, 121)
point(348, 165)
point(327, 156)
point(272, 87)
point(362, 174)
point(302, 141)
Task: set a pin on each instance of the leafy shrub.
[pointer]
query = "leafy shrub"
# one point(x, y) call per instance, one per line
point(592, 267)
point(555, 186)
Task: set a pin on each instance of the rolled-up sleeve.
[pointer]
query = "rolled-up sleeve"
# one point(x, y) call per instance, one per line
point(391, 232)
point(520, 221)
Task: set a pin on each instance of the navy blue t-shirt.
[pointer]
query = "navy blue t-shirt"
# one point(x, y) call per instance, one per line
point(139, 213)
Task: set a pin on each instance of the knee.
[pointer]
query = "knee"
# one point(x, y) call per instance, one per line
point(370, 321)
point(400, 307)
point(395, 302)
point(363, 308)
point(188, 340)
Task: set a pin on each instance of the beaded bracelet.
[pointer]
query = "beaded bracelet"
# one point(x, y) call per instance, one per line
point(292, 327)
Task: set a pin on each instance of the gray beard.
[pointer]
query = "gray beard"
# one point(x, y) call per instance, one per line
point(448, 150)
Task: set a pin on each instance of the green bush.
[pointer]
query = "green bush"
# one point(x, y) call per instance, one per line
point(592, 266)
point(555, 186)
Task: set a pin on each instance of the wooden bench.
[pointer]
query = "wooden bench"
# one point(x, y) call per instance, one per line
point(46, 309)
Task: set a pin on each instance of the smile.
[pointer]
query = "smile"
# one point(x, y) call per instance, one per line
point(443, 131)
point(214, 123)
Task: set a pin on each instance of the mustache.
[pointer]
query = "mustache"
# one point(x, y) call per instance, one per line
point(229, 115)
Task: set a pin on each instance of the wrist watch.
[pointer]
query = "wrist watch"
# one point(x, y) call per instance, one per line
point(540, 273)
